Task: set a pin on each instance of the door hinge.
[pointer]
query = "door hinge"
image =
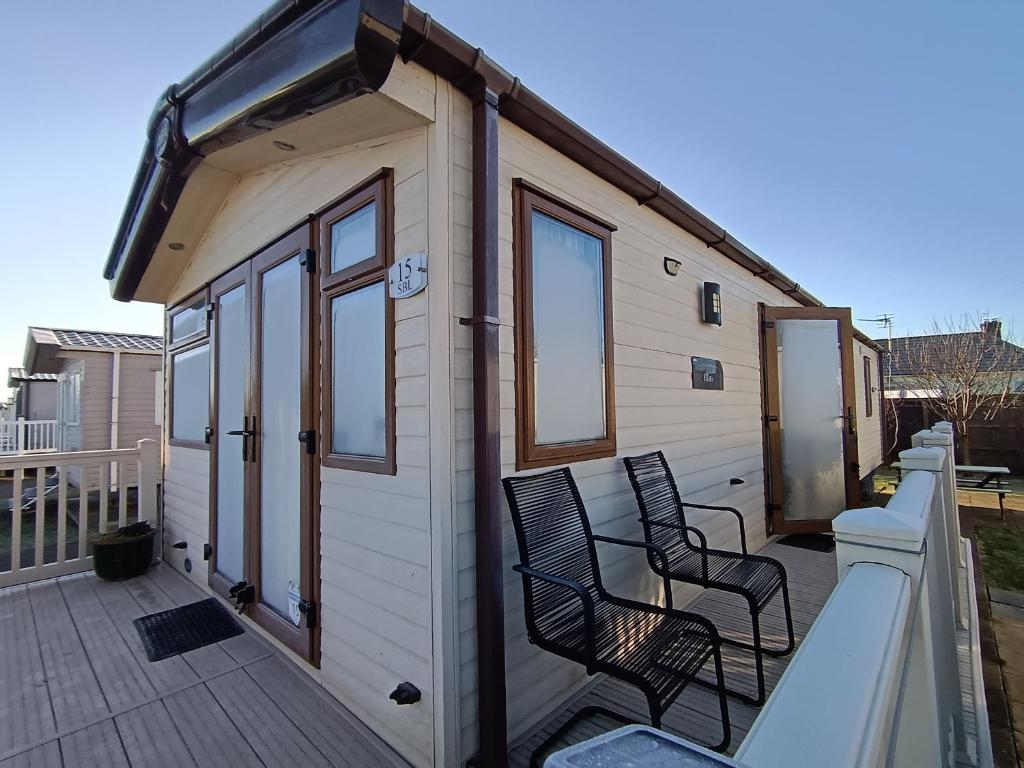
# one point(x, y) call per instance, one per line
point(771, 418)
point(308, 260)
point(775, 507)
point(308, 438)
point(767, 324)
point(308, 609)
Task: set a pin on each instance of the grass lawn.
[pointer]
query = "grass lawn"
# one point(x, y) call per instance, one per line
point(1002, 555)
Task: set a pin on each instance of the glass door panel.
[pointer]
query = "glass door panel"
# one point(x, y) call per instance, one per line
point(280, 419)
point(231, 444)
point(810, 418)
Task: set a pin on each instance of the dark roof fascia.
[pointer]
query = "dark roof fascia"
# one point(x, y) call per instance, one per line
point(171, 152)
point(472, 72)
point(297, 58)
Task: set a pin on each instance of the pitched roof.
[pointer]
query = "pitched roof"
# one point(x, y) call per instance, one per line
point(20, 374)
point(908, 351)
point(70, 338)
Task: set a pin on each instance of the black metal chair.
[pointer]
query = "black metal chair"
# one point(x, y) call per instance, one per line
point(755, 577)
point(569, 613)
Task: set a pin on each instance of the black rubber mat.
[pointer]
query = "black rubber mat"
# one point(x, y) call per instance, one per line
point(183, 629)
point(818, 542)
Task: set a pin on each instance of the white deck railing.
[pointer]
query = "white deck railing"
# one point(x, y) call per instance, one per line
point(876, 681)
point(59, 501)
point(28, 436)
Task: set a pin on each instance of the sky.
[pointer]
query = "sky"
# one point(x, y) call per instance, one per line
point(873, 151)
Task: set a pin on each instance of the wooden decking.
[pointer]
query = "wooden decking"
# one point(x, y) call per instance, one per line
point(77, 691)
point(811, 577)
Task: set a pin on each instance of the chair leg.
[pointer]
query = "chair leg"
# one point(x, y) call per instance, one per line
point(723, 703)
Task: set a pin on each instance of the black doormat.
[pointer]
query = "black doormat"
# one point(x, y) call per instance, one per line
point(818, 542)
point(192, 626)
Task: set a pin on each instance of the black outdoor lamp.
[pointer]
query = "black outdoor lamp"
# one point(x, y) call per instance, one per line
point(672, 266)
point(711, 306)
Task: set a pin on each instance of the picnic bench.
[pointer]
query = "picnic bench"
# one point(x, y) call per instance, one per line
point(977, 479)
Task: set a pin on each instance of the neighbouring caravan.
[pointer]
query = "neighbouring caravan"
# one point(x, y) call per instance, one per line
point(393, 275)
point(107, 389)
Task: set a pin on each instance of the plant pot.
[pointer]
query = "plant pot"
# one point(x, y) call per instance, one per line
point(119, 556)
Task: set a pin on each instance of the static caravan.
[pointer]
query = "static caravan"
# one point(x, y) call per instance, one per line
point(33, 395)
point(108, 389)
point(392, 276)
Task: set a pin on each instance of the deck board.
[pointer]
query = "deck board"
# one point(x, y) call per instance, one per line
point(239, 703)
point(25, 713)
point(75, 691)
point(98, 746)
point(695, 714)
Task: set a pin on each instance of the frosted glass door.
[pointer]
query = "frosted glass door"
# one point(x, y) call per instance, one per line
point(811, 418)
point(280, 422)
point(232, 369)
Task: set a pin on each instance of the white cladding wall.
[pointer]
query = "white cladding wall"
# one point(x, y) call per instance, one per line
point(375, 529)
point(708, 436)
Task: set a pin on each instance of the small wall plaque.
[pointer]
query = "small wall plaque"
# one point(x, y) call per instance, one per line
point(707, 373)
point(408, 276)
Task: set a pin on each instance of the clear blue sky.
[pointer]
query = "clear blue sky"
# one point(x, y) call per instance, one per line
point(871, 150)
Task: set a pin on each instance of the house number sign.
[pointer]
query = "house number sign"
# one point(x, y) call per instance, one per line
point(707, 373)
point(408, 276)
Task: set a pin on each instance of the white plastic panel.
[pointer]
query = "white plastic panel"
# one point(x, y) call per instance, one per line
point(568, 332)
point(279, 425)
point(357, 334)
point(232, 369)
point(811, 404)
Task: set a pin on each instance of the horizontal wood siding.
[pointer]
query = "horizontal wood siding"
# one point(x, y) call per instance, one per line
point(375, 529)
point(708, 436)
point(186, 508)
point(375, 545)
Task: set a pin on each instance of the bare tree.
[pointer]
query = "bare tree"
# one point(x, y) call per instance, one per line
point(964, 373)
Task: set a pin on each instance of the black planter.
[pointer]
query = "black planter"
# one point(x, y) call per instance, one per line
point(116, 557)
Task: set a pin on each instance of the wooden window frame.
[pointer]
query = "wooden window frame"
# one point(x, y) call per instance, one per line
point(202, 295)
point(378, 188)
point(526, 199)
point(869, 409)
point(201, 445)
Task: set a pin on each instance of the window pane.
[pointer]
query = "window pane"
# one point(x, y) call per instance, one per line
point(358, 350)
point(190, 398)
point(189, 322)
point(354, 238)
point(568, 332)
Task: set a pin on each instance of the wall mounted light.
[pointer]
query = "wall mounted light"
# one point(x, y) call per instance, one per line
point(711, 306)
point(672, 266)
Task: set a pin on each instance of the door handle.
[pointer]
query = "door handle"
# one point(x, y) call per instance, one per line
point(245, 433)
point(850, 419)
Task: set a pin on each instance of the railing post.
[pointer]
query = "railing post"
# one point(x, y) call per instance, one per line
point(21, 436)
point(902, 535)
point(149, 473)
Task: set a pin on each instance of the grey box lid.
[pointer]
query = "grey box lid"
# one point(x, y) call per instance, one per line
point(638, 746)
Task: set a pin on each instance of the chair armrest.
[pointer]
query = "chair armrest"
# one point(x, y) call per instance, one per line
point(650, 548)
point(739, 519)
point(581, 592)
point(702, 539)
